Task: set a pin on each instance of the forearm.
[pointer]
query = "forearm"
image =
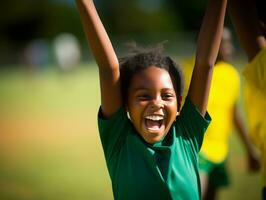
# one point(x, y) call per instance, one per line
point(210, 33)
point(105, 56)
point(241, 130)
point(253, 157)
point(207, 50)
point(97, 37)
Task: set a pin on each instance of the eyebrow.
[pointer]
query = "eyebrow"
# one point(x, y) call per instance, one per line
point(146, 88)
point(140, 88)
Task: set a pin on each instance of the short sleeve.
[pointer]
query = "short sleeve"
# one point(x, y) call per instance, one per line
point(193, 123)
point(113, 131)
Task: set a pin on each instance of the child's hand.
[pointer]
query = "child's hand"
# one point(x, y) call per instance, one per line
point(253, 161)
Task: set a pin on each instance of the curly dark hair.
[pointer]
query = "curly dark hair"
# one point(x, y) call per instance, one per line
point(140, 59)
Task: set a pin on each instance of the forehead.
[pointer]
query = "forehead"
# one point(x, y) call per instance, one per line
point(152, 77)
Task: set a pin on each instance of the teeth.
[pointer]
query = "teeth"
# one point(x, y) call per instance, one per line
point(154, 117)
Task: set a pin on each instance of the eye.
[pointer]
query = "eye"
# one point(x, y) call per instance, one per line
point(168, 96)
point(143, 97)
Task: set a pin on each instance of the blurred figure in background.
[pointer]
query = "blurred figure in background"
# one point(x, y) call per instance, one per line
point(224, 111)
point(67, 51)
point(36, 55)
point(249, 20)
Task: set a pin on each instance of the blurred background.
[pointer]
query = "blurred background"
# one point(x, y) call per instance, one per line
point(49, 93)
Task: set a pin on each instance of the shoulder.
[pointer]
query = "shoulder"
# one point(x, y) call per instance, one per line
point(225, 69)
point(113, 132)
point(255, 73)
point(191, 120)
point(192, 125)
point(113, 127)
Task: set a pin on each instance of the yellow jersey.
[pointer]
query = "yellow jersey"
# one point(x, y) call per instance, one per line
point(255, 103)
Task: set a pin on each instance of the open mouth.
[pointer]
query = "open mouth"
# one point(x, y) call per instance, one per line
point(153, 122)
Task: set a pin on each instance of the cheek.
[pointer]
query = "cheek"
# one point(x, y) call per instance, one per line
point(173, 104)
point(135, 109)
point(137, 105)
point(172, 109)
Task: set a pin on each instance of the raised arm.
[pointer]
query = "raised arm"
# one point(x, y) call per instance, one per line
point(246, 22)
point(207, 49)
point(105, 56)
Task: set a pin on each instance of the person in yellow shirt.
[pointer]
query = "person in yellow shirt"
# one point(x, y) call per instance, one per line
point(249, 20)
point(224, 111)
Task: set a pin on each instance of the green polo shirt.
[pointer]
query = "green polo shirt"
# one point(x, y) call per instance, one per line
point(164, 170)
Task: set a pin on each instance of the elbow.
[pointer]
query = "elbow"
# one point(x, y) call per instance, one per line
point(205, 64)
point(108, 63)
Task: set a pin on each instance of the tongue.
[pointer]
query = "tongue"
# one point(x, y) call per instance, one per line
point(152, 124)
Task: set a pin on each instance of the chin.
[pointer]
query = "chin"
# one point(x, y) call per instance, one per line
point(153, 136)
point(154, 139)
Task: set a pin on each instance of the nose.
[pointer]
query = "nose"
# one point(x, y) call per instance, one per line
point(156, 103)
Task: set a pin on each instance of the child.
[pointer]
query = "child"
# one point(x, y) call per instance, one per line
point(249, 21)
point(224, 112)
point(153, 155)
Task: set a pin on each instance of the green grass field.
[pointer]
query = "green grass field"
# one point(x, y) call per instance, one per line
point(49, 143)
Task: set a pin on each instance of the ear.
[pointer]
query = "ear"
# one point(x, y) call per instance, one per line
point(127, 110)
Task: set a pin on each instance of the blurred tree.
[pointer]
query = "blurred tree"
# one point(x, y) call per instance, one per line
point(190, 12)
point(138, 16)
point(23, 21)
